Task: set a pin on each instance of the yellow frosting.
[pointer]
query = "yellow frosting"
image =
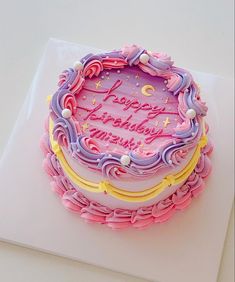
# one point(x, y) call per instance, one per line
point(128, 196)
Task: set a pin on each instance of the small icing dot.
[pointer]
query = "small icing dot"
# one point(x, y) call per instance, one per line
point(102, 77)
point(66, 113)
point(137, 84)
point(191, 113)
point(98, 160)
point(107, 73)
point(78, 65)
point(170, 162)
point(118, 71)
point(164, 89)
point(165, 81)
point(196, 123)
point(144, 58)
point(110, 155)
point(115, 62)
point(125, 160)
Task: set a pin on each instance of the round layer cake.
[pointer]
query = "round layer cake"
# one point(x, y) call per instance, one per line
point(126, 142)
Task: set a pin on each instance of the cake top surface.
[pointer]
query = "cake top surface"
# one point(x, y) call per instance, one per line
point(127, 113)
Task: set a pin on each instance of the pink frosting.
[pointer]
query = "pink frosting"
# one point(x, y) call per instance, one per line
point(75, 85)
point(120, 218)
point(69, 102)
point(113, 63)
point(94, 67)
point(44, 144)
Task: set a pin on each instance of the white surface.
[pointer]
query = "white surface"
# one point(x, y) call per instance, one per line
point(198, 35)
point(42, 223)
point(33, 266)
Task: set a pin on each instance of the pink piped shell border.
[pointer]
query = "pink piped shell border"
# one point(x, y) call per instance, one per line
point(141, 218)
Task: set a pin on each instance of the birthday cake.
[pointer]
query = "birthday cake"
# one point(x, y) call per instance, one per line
point(126, 141)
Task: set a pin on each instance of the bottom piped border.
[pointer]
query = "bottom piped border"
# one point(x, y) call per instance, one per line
point(122, 218)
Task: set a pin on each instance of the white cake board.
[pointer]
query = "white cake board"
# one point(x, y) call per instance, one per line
point(187, 248)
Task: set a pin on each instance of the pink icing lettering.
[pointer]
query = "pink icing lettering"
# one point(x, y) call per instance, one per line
point(92, 111)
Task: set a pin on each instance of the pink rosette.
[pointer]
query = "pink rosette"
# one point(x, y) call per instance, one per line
point(46, 124)
point(111, 167)
point(113, 63)
point(143, 217)
point(76, 86)
point(72, 80)
point(129, 51)
point(91, 145)
point(174, 82)
point(182, 107)
point(60, 185)
point(208, 149)
point(95, 213)
point(61, 132)
point(182, 197)
point(183, 128)
point(61, 137)
point(119, 219)
point(77, 125)
point(114, 171)
point(74, 201)
point(163, 210)
point(51, 165)
point(44, 144)
point(163, 57)
point(147, 68)
point(158, 65)
point(196, 184)
point(68, 101)
point(92, 68)
point(178, 156)
point(203, 167)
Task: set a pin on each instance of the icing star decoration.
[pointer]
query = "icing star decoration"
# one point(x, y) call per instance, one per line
point(166, 122)
point(93, 101)
point(98, 84)
point(85, 126)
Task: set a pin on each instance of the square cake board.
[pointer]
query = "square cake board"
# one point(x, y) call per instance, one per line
point(186, 248)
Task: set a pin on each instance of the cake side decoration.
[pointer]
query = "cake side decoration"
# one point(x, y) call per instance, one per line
point(126, 132)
